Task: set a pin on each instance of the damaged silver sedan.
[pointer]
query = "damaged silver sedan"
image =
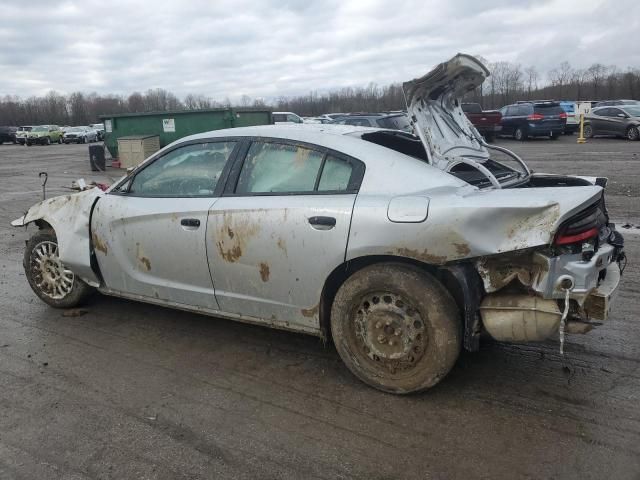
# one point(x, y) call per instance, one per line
point(404, 249)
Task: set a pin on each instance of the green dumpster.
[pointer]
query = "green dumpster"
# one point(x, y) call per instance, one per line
point(171, 126)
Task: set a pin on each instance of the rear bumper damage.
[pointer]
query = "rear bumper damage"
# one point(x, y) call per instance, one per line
point(526, 292)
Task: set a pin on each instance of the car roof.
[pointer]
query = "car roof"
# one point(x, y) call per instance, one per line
point(387, 168)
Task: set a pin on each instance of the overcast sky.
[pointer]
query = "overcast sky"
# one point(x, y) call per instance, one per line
point(269, 48)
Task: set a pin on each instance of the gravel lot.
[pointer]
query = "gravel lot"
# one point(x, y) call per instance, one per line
point(136, 391)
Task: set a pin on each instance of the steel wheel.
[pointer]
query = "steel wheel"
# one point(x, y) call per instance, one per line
point(389, 331)
point(50, 276)
point(632, 133)
point(396, 327)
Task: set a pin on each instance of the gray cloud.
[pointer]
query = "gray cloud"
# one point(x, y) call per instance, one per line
point(272, 48)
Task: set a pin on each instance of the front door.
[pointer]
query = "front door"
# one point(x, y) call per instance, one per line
point(281, 230)
point(149, 235)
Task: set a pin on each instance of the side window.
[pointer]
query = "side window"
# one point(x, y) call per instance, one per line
point(293, 118)
point(275, 167)
point(279, 117)
point(335, 176)
point(189, 171)
point(613, 112)
point(511, 111)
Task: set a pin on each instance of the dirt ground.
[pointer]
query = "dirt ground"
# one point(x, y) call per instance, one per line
point(130, 390)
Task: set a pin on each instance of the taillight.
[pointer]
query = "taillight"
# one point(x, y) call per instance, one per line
point(583, 226)
point(535, 116)
point(563, 116)
point(564, 239)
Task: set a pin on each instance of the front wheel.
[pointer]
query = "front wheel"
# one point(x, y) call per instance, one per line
point(60, 140)
point(632, 133)
point(47, 141)
point(52, 281)
point(396, 327)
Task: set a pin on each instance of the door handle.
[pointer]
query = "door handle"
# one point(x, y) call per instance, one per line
point(322, 223)
point(190, 222)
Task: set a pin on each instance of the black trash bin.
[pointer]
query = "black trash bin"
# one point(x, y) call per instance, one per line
point(96, 158)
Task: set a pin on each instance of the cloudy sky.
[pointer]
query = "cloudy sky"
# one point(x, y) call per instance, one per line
point(269, 48)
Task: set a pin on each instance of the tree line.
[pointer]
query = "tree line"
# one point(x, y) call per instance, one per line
point(508, 83)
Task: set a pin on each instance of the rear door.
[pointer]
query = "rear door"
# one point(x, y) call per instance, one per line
point(149, 235)
point(280, 230)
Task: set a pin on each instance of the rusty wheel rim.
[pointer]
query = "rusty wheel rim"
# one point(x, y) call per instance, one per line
point(50, 276)
point(390, 332)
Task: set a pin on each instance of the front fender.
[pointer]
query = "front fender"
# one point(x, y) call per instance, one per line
point(69, 216)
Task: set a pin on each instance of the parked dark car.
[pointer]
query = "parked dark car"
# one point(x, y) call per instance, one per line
point(533, 119)
point(621, 121)
point(487, 122)
point(396, 121)
point(8, 134)
point(613, 103)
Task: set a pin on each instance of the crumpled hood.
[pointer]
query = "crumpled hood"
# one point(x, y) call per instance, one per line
point(434, 107)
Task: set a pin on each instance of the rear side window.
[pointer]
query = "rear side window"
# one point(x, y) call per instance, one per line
point(335, 176)
point(279, 168)
point(275, 167)
point(279, 117)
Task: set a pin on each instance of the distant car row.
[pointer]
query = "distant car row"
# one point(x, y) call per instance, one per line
point(548, 118)
point(48, 134)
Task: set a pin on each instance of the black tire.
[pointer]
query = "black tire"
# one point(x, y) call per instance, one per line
point(84, 139)
point(396, 327)
point(47, 141)
point(588, 131)
point(60, 140)
point(41, 282)
point(520, 134)
point(554, 136)
point(632, 133)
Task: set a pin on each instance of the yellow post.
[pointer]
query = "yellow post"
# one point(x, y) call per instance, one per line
point(581, 138)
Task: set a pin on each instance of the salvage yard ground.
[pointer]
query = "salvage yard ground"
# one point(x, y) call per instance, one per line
point(129, 390)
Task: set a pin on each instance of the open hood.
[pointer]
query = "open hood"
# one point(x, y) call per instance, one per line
point(434, 107)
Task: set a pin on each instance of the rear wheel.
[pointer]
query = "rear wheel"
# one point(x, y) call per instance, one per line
point(588, 131)
point(632, 133)
point(396, 327)
point(520, 134)
point(52, 281)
